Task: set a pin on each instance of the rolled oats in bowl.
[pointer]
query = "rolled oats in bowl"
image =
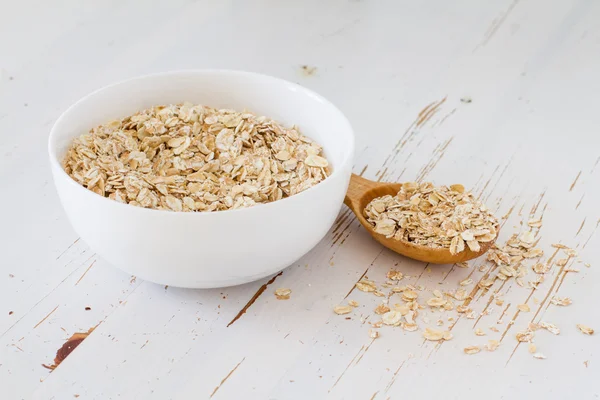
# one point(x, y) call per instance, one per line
point(189, 157)
point(437, 217)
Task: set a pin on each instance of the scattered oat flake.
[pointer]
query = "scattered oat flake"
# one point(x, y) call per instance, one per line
point(365, 285)
point(571, 252)
point(463, 264)
point(539, 356)
point(436, 302)
point(472, 349)
point(409, 295)
point(524, 336)
point(587, 265)
point(460, 294)
point(479, 332)
point(585, 329)
point(391, 318)
point(283, 293)
point(540, 268)
point(494, 329)
point(571, 269)
point(532, 348)
point(462, 309)
point(562, 262)
point(559, 246)
point(499, 302)
point(341, 310)
point(485, 283)
point(353, 303)
point(533, 253)
point(401, 308)
point(373, 334)
point(535, 222)
point(466, 282)
point(436, 335)
point(492, 345)
point(381, 309)
point(550, 327)
point(561, 301)
point(527, 237)
point(394, 275)
point(508, 271)
point(523, 308)
point(410, 327)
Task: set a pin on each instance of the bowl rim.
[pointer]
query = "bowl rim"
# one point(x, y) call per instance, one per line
point(58, 168)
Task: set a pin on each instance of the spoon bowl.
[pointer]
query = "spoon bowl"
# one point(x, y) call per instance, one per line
point(360, 193)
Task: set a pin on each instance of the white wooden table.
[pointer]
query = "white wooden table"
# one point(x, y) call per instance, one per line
point(526, 136)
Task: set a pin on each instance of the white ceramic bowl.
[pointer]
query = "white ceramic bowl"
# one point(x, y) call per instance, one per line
point(205, 250)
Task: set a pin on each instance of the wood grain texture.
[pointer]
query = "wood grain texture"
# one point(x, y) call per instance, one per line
point(499, 96)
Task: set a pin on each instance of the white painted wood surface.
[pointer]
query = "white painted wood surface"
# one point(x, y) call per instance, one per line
point(529, 143)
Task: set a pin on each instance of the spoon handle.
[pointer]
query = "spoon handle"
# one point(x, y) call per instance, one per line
point(356, 189)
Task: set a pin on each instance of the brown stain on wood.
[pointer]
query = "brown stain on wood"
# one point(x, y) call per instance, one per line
point(359, 279)
point(488, 182)
point(68, 248)
point(365, 351)
point(500, 178)
point(381, 174)
point(510, 210)
point(424, 115)
point(340, 222)
point(393, 380)
point(562, 279)
point(591, 234)
point(496, 24)
point(45, 318)
point(363, 170)
point(575, 181)
point(477, 288)
point(226, 377)
point(254, 298)
point(448, 272)
point(544, 210)
point(428, 112)
point(67, 348)
point(580, 227)
point(438, 153)
point(595, 165)
point(482, 313)
point(579, 202)
point(339, 236)
point(504, 311)
point(447, 116)
point(536, 205)
point(86, 271)
point(362, 348)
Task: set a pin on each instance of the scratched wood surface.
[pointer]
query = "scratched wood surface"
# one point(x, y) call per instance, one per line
point(500, 96)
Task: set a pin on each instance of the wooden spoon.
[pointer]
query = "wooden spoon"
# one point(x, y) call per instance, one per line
point(361, 191)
